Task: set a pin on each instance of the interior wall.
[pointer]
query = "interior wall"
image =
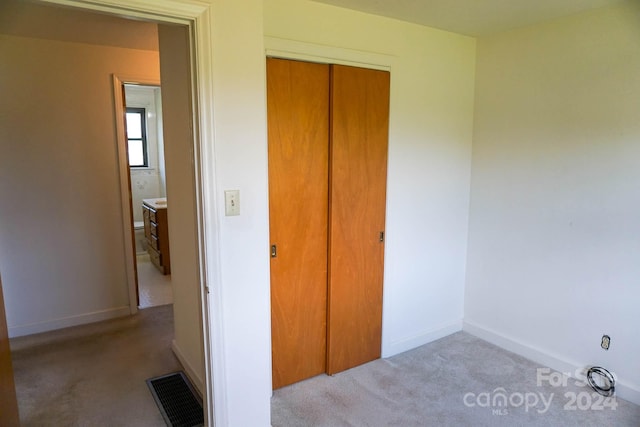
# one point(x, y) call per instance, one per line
point(553, 260)
point(61, 244)
point(30, 19)
point(181, 203)
point(239, 299)
point(431, 119)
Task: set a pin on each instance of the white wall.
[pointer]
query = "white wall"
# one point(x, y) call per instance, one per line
point(432, 83)
point(61, 240)
point(240, 292)
point(181, 203)
point(554, 246)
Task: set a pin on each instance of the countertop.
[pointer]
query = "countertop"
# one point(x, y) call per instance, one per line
point(159, 203)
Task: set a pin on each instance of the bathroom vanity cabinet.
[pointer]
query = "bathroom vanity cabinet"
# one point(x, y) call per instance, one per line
point(156, 231)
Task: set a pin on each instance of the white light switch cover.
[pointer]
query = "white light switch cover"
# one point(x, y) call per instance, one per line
point(232, 202)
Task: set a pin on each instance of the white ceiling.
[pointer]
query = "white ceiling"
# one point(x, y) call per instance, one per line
point(472, 17)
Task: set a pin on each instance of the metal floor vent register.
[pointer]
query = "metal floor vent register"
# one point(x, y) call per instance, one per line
point(177, 400)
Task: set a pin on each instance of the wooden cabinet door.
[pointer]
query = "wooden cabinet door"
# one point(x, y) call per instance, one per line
point(298, 120)
point(8, 402)
point(359, 139)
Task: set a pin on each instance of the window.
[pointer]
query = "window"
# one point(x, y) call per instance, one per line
point(137, 138)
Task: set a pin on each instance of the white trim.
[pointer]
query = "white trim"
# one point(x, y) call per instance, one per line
point(191, 373)
point(198, 16)
point(66, 322)
point(422, 338)
point(630, 392)
point(208, 220)
point(293, 49)
point(169, 11)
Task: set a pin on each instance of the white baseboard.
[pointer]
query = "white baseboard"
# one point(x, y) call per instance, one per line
point(623, 390)
point(66, 322)
point(422, 338)
point(195, 379)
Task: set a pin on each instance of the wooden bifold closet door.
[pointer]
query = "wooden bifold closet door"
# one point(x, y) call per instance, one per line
point(359, 139)
point(298, 109)
point(327, 130)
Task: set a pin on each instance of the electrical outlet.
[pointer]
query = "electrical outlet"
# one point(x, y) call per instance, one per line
point(606, 341)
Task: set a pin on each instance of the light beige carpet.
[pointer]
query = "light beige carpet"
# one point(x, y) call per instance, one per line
point(94, 375)
point(455, 381)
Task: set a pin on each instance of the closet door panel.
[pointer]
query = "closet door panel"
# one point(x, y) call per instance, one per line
point(359, 140)
point(298, 118)
point(9, 416)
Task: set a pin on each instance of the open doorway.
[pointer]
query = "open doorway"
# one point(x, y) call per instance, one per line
point(65, 267)
point(147, 179)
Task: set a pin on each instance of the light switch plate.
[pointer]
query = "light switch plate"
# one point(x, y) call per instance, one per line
point(232, 202)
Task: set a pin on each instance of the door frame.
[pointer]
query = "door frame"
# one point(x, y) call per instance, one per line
point(126, 196)
point(197, 16)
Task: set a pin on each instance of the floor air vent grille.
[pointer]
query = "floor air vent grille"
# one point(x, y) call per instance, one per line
point(178, 402)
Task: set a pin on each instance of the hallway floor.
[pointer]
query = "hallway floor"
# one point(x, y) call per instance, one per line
point(154, 288)
point(94, 375)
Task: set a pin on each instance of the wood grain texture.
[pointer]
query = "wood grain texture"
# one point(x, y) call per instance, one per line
point(298, 118)
point(8, 402)
point(156, 230)
point(359, 140)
